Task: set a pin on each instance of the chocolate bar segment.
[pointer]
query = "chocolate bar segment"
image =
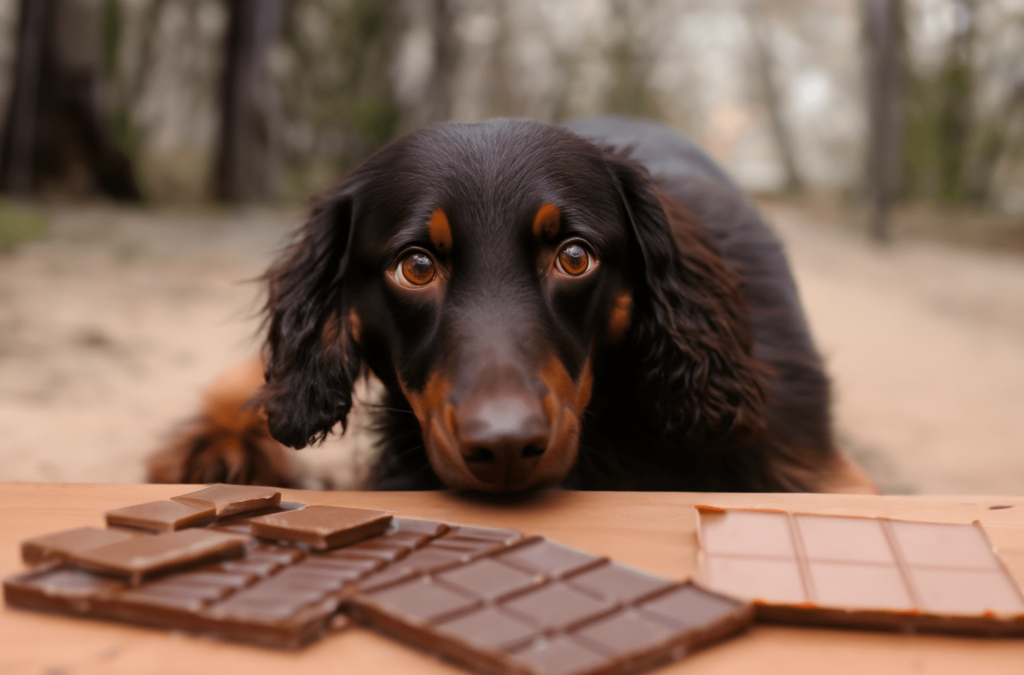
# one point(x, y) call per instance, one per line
point(162, 516)
point(143, 557)
point(860, 571)
point(540, 607)
point(231, 500)
point(322, 527)
point(63, 545)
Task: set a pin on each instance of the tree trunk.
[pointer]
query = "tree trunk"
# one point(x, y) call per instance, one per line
point(884, 66)
point(54, 135)
point(764, 63)
point(245, 162)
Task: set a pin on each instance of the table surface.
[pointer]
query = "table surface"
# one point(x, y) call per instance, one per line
point(653, 531)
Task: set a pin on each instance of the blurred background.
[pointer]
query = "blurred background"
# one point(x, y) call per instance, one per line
point(156, 153)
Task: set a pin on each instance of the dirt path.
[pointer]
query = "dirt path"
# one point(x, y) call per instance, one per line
point(110, 328)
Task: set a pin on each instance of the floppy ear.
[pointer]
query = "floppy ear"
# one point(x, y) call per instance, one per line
point(312, 358)
point(691, 328)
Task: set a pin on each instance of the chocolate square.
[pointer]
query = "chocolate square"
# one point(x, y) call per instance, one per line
point(161, 516)
point(689, 606)
point(557, 606)
point(612, 581)
point(422, 599)
point(767, 579)
point(490, 628)
point(63, 545)
point(322, 527)
point(489, 579)
point(560, 656)
point(623, 632)
point(548, 558)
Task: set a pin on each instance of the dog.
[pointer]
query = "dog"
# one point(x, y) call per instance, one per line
point(593, 306)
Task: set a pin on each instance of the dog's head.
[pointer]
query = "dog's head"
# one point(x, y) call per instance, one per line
point(478, 269)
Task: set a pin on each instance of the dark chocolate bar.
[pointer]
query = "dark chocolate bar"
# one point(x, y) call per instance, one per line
point(219, 580)
point(538, 607)
point(863, 572)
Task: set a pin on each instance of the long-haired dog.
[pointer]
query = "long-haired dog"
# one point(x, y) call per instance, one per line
point(593, 306)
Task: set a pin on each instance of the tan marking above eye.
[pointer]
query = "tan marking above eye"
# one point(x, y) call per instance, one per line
point(415, 269)
point(574, 259)
point(440, 231)
point(547, 221)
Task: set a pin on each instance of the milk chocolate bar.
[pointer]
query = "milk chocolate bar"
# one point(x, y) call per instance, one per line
point(538, 607)
point(863, 572)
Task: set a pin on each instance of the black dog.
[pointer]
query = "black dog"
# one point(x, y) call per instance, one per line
point(596, 307)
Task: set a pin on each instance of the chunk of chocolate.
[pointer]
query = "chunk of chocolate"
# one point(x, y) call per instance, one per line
point(322, 527)
point(860, 571)
point(162, 516)
point(63, 545)
point(142, 557)
point(540, 607)
point(231, 500)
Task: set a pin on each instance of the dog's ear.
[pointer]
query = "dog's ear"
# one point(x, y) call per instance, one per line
point(691, 332)
point(312, 357)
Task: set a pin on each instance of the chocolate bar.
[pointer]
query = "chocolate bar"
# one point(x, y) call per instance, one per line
point(537, 607)
point(220, 580)
point(278, 574)
point(860, 571)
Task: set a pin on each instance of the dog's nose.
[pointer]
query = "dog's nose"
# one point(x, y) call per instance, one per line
point(501, 438)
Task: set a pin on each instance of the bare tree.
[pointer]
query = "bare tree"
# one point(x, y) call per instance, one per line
point(245, 167)
point(54, 134)
point(764, 66)
point(884, 70)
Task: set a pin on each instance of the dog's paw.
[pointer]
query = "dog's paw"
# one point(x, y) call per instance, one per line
point(206, 453)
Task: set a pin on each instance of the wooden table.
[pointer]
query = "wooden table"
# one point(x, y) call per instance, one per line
point(653, 531)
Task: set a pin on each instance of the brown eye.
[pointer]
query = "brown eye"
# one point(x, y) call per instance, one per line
point(574, 259)
point(416, 269)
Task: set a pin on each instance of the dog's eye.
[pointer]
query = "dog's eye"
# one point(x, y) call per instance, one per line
point(574, 259)
point(415, 269)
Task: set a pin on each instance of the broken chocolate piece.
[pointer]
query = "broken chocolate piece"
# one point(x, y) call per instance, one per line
point(231, 500)
point(62, 545)
point(143, 557)
point(863, 572)
point(162, 516)
point(322, 527)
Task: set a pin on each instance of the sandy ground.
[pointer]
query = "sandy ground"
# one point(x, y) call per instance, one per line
point(111, 327)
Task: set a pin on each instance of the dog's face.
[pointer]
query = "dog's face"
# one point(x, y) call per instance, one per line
point(478, 270)
point(491, 266)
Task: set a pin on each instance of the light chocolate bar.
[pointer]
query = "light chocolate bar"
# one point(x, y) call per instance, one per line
point(865, 572)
